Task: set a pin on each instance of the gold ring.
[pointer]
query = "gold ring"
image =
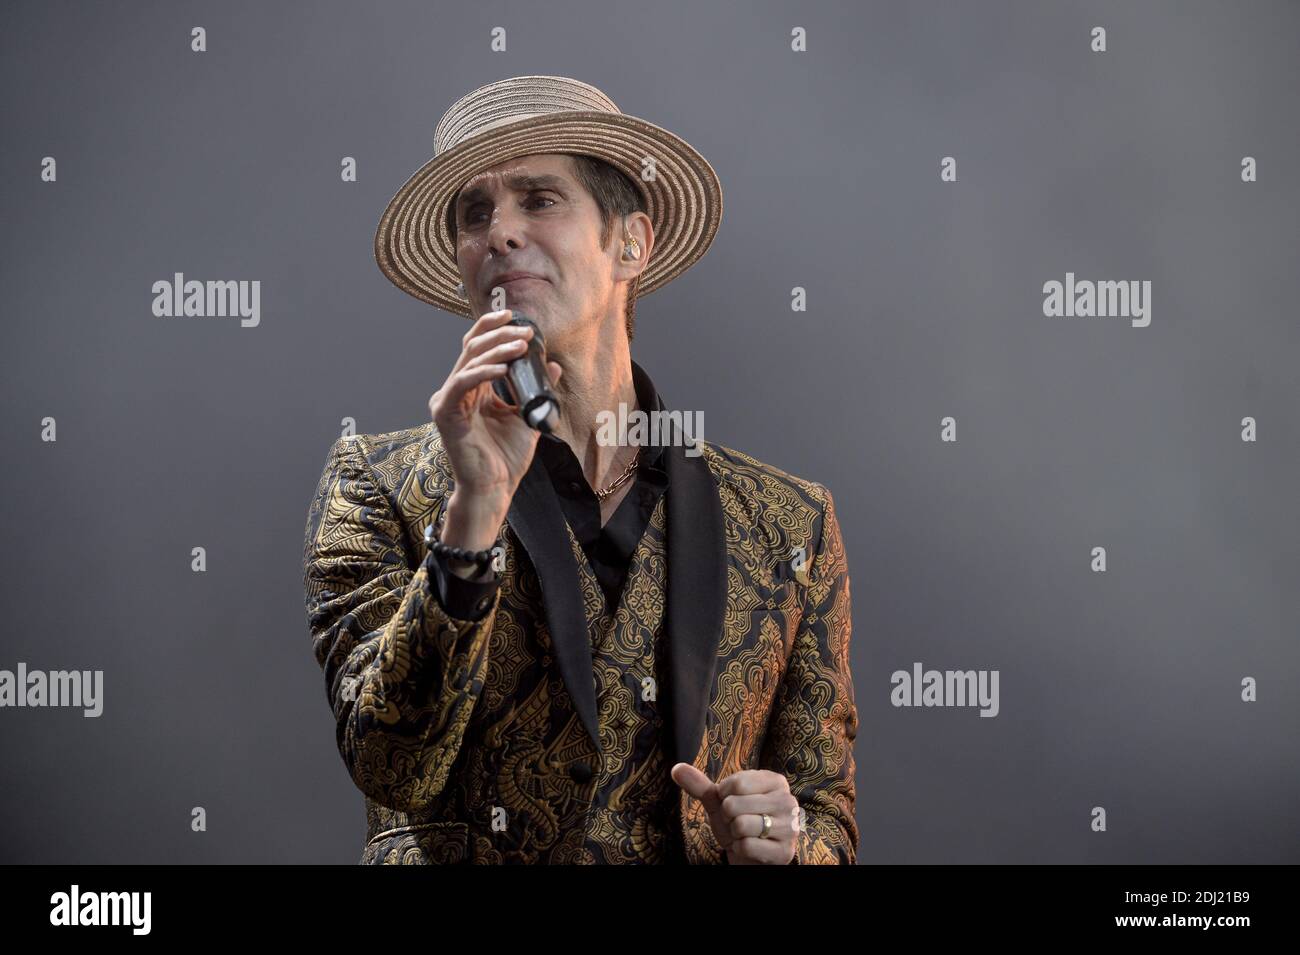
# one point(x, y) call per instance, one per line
point(767, 826)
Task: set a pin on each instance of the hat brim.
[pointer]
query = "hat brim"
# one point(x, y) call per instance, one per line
point(414, 247)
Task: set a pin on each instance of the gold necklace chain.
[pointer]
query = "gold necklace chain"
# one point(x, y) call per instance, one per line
point(627, 473)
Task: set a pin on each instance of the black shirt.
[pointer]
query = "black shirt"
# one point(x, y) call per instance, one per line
point(609, 549)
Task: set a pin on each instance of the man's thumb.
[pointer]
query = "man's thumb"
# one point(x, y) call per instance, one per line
point(693, 781)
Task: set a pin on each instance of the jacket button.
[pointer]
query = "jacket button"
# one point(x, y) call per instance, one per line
point(581, 771)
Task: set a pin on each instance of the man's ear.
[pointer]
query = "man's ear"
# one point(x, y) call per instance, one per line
point(637, 226)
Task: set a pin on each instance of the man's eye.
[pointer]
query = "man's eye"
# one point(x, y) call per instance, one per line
point(476, 214)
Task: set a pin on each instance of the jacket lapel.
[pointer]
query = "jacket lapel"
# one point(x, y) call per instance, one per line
point(696, 599)
point(536, 518)
point(696, 588)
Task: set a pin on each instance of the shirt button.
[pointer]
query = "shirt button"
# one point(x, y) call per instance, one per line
point(484, 604)
point(574, 485)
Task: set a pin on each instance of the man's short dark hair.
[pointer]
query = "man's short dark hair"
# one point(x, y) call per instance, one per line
point(615, 196)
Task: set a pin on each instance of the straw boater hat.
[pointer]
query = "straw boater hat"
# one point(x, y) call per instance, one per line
point(524, 115)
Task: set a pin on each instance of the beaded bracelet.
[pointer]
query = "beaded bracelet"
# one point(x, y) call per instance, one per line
point(479, 558)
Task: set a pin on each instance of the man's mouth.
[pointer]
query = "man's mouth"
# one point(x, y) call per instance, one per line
point(511, 278)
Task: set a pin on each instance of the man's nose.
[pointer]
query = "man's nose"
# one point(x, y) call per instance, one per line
point(505, 231)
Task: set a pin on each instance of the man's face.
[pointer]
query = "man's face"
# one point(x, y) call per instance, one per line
point(532, 215)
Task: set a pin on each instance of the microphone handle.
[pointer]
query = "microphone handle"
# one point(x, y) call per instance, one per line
point(528, 384)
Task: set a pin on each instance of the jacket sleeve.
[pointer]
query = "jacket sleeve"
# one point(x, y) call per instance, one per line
point(401, 675)
point(815, 720)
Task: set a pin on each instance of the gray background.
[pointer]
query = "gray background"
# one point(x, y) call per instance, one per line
point(1118, 689)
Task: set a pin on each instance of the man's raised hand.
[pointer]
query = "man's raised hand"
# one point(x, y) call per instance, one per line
point(735, 808)
point(489, 446)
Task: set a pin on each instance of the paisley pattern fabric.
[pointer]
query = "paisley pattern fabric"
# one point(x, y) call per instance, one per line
point(471, 746)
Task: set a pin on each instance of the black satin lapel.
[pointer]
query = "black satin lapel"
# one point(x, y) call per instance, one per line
point(696, 598)
point(536, 517)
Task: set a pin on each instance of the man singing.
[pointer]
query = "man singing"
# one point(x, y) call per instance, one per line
point(558, 648)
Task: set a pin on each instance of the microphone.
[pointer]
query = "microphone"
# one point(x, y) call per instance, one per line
point(528, 384)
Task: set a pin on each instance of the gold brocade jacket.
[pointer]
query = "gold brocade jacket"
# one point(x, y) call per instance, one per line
point(496, 740)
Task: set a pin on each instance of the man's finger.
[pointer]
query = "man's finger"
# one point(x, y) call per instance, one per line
point(750, 782)
point(696, 784)
point(776, 805)
point(751, 851)
point(483, 324)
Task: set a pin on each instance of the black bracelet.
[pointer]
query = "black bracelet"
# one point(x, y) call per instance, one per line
point(479, 558)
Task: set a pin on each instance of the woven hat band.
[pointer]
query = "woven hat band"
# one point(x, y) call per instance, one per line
point(500, 103)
